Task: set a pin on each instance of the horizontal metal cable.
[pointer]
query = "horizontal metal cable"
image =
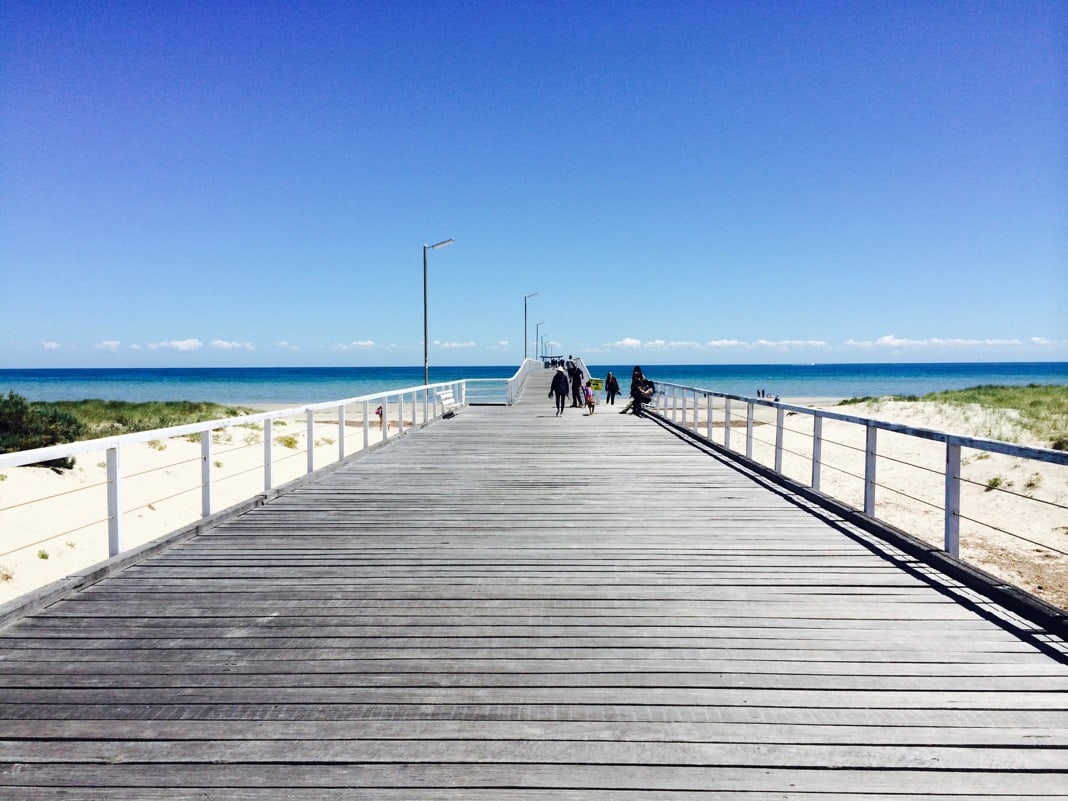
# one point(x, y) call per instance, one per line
point(53, 496)
point(904, 494)
point(1020, 537)
point(163, 499)
point(53, 537)
point(157, 468)
point(885, 458)
point(1014, 493)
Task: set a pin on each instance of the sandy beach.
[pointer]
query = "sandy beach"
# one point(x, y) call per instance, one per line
point(54, 523)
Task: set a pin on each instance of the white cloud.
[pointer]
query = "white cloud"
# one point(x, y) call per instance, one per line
point(108, 344)
point(449, 345)
point(685, 344)
point(502, 345)
point(220, 344)
point(285, 345)
point(888, 341)
point(49, 345)
point(725, 343)
point(894, 341)
point(183, 345)
point(790, 343)
point(359, 344)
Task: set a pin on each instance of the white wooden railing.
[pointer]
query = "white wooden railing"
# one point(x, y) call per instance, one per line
point(401, 410)
point(705, 410)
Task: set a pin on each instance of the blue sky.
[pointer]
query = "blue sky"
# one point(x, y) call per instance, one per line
point(205, 184)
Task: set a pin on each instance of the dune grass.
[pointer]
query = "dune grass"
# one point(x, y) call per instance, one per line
point(107, 418)
point(1043, 408)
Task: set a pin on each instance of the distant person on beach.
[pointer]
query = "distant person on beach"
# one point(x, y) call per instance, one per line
point(560, 389)
point(641, 391)
point(611, 389)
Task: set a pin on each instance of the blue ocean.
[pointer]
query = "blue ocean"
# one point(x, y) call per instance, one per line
point(298, 385)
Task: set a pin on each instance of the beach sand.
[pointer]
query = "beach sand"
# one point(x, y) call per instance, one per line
point(53, 523)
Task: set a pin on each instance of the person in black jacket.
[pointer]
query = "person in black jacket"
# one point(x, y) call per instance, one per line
point(611, 389)
point(641, 390)
point(560, 387)
point(578, 398)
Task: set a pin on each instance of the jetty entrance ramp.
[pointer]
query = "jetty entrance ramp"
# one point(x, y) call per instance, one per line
point(513, 605)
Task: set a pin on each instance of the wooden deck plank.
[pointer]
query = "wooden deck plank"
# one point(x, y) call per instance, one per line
point(511, 605)
point(649, 779)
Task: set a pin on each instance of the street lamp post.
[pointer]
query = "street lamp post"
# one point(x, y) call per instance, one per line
point(537, 337)
point(426, 352)
point(532, 294)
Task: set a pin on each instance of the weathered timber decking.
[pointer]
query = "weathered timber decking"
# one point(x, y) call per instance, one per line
point(510, 605)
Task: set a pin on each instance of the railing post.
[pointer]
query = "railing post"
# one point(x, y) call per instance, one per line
point(366, 425)
point(114, 469)
point(311, 440)
point(749, 429)
point(426, 405)
point(340, 433)
point(869, 470)
point(726, 423)
point(817, 450)
point(708, 415)
point(779, 416)
point(267, 458)
point(952, 523)
point(205, 473)
point(385, 417)
point(400, 415)
point(675, 404)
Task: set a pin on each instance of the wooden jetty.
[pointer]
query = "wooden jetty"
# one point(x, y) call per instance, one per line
point(514, 605)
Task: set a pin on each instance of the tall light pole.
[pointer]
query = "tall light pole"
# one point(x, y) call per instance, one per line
point(426, 352)
point(537, 337)
point(532, 294)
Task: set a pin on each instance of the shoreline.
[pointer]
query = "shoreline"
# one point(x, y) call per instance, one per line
point(272, 386)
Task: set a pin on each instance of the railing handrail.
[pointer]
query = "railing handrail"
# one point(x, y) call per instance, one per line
point(518, 381)
point(49, 452)
point(996, 446)
point(669, 394)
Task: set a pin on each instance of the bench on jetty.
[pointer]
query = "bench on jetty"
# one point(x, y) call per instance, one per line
point(525, 606)
point(449, 404)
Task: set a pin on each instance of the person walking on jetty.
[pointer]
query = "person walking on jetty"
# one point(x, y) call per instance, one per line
point(560, 389)
point(591, 399)
point(577, 398)
point(611, 389)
